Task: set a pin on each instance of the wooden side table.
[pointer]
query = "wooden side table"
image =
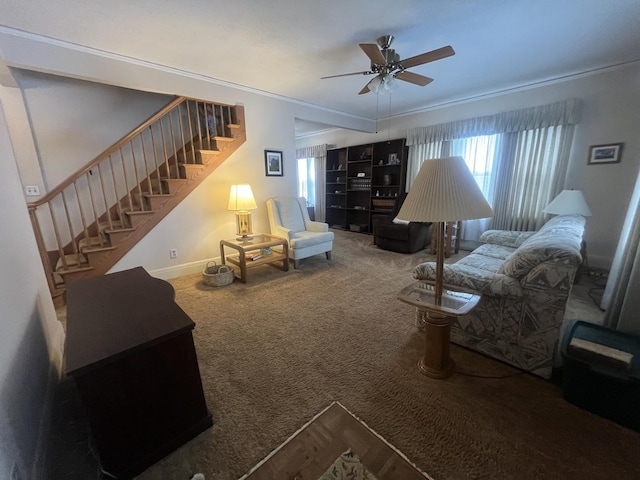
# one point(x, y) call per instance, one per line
point(279, 257)
point(436, 362)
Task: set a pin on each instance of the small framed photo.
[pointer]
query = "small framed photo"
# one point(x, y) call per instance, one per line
point(393, 158)
point(610, 153)
point(273, 163)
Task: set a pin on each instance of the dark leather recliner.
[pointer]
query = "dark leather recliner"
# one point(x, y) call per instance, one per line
point(399, 237)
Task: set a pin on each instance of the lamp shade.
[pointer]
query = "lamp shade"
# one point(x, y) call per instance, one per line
point(241, 198)
point(569, 202)
point(444, 191)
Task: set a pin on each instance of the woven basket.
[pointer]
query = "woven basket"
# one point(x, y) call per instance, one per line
point(217, 275)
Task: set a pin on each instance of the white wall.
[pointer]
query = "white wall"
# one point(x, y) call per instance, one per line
point(74, 120)
point(610, 114)
point(30, 335)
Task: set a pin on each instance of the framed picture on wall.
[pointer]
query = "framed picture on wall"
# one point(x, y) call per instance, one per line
point(273, 163)
point(610, 153)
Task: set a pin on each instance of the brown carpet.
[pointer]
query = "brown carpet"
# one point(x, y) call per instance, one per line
point(275, 351)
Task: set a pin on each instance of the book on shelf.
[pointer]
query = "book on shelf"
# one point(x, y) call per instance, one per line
point(252, 256)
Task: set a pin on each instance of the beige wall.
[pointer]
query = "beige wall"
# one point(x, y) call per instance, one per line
point(610, 114)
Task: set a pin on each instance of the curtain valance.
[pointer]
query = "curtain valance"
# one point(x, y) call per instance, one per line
point(560, 113)
point(312, 152)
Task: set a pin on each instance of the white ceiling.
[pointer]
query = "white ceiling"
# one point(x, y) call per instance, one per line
point(283, 47)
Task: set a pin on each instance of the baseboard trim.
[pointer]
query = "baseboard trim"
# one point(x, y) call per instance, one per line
point(182, 269)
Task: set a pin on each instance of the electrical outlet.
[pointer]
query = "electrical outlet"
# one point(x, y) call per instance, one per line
point(32, 190)
point(173, 253)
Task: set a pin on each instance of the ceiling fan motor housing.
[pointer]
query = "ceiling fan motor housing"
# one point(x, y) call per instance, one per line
point(385, 41)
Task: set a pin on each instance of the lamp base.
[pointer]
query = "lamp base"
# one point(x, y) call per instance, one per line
point(243, 225)
point(245, 238)
point(435, 372)
point(436, 362)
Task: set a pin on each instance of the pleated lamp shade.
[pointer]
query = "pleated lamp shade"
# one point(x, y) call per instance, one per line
point(569, 202)
point(444, 191)
point(241, 199)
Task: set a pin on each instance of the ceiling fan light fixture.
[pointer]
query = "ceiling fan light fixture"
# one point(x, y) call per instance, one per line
point(390, 83)
point(375, 84)
point(383, 83)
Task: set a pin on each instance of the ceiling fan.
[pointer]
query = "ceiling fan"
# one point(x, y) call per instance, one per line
point(387, 66)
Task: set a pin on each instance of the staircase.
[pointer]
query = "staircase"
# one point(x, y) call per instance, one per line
point(92, 219)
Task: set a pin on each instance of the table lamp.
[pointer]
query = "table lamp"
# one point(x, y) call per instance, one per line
point(569, 202)
point(572, 202)
point(241, 200)
point(444, 191)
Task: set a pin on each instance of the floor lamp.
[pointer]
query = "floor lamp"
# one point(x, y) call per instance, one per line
point(444, 191)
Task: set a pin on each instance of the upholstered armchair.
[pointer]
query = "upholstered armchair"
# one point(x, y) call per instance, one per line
point(289, 218)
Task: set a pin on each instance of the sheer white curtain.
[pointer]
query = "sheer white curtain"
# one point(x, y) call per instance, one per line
point(620, 300)
point(512, 152)
point(533, 165)
point(319, 155)
point(418, 154)
point(478, 153)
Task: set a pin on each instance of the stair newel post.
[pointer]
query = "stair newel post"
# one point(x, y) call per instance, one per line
point(72, 240)
point(56, 232)
point(46, 264)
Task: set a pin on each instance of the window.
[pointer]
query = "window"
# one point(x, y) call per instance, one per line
point(479, 153)
point(307, 180)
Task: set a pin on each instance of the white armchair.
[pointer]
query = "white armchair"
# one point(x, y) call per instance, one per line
point(289, 218)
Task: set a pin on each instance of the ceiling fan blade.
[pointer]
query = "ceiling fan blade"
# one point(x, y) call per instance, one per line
point(366, 72)
point(373, 52)
point(414, 78)
point(427, 57)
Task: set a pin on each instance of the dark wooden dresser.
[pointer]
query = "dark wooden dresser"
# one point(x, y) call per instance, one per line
point(130, 349)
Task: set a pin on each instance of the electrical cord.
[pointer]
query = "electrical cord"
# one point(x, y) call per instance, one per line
point(496, 377)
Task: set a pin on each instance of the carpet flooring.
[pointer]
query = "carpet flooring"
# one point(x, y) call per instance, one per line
point(276, 350)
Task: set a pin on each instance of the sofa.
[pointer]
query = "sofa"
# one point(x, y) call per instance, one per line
point(525, 280)
point(400, 236)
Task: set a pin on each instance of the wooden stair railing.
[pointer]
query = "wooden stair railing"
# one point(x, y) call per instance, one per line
point(89, 221)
